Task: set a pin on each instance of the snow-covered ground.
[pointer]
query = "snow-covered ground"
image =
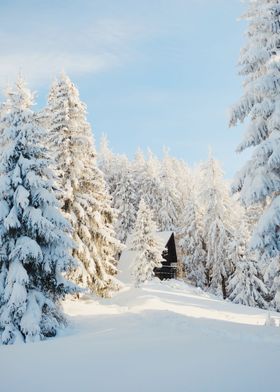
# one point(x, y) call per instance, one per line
point(162, 337)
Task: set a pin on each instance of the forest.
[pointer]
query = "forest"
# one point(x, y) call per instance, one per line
point(67, 208)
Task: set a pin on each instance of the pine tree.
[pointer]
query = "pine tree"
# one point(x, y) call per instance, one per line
point(126, 202)
point(112, 166)
point(192, 244)
point(139, 160)
point(169, 209)
point(259, 180)
point(121, 180)
point(269, 266)
point(184, 181)
point(147, 246)
point(82, 191)
point(35, 250)
point(246, 284)
point(150, 190)
point(218, 224)
point(275, 289)
point(105, 157)
point(3, 110)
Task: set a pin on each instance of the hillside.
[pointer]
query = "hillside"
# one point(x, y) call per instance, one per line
point(162, 337)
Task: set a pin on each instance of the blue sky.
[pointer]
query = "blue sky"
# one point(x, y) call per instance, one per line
point(153, 73)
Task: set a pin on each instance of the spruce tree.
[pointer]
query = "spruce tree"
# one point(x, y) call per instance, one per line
point(112, 165)
point(82, 191)
point(150, 190)
point(259, 180)
point(192, 244)
point(184, 183)
point(246, 284)
point(105, 157)
point(124, 181)
point(147, 245)
point(126, 202)
point(218, 225)
point(169, 210)
point(35, 251)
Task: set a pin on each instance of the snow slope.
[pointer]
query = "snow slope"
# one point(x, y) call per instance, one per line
point(162, 337)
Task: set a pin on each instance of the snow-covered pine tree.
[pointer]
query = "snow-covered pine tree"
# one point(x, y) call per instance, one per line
point(111, 165)
point(121, 180)
point(246, 284)
point(138, 168)
point(259, 181)
point(218, 224)
point(252, 216)
point(147, 246)
point(105, 157)
point(81, 189)
point(169, 209)
point(183, 177)
point(139, 160)
point(150, 190)
point(3, 110)
point(192, 244)
point(126, 202)
point(275, 289)
point(269, 266)
point(35, 251)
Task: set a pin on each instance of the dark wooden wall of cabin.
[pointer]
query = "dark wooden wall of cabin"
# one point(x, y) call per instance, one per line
point(169, 262)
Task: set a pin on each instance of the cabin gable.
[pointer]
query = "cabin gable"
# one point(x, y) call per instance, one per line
point(169, 262)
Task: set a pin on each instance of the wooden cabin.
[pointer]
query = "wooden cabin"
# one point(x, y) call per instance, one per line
point(169, 259)
point(169, 256)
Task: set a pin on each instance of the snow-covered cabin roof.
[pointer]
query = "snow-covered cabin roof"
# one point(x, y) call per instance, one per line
point(128, 256)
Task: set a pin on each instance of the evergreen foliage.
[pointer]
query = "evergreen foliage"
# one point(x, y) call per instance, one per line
point(82, 191)
point(218, 224)
point(246, 284)
point(192, 244)
point(35, 248)
point(126, 202)
point(169, 209)
point(259, 180)
point(147, 246)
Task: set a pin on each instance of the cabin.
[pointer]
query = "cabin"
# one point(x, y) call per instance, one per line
point(169, 256)
point(169, 259)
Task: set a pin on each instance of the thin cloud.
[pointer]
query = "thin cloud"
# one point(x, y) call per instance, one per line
point(40, 67)
point(98, 48)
